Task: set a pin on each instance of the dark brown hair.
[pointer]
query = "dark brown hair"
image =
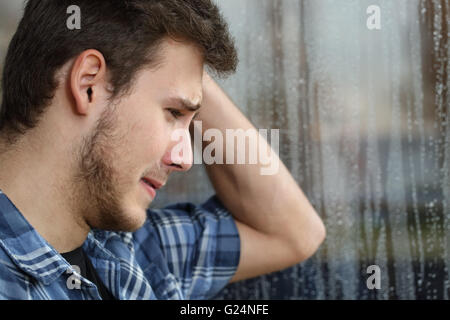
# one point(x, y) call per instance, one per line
point(127, 32)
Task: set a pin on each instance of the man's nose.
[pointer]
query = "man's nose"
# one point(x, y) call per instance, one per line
point(179, 156)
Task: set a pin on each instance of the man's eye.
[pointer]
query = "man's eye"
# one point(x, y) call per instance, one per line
point(175, 113)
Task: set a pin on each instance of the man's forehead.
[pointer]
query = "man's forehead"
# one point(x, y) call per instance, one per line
point(182, 88)
point(178, 78)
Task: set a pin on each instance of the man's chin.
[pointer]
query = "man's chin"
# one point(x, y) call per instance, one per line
point(134, 220)
point(123, 220)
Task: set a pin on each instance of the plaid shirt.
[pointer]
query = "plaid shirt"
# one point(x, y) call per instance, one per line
point(182, 252)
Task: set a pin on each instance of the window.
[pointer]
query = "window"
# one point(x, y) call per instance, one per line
point(364, 129)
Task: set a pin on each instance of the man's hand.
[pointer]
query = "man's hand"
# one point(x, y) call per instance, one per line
point(277, 225)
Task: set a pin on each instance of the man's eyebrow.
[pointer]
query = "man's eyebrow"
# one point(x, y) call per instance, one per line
point(183, 103)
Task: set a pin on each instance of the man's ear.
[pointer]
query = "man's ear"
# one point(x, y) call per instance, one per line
point(87, 80)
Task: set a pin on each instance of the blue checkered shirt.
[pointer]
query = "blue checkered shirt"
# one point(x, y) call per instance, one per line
point(183, 251)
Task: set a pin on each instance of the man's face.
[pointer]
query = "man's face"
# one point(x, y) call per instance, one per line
point(131, 147)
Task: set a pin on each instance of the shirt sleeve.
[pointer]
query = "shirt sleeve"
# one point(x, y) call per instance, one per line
point(200, 244)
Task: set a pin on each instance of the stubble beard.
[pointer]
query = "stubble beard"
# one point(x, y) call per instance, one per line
point(97, 186)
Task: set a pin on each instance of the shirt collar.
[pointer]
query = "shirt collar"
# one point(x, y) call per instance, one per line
point(26, 247)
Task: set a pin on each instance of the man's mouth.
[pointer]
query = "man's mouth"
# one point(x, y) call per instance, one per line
point(147, 182)
point(152, 183)
point(149, 187)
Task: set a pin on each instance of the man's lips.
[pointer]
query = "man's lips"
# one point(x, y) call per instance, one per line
point(155, 184)
point(151, 185)
point(148, 188)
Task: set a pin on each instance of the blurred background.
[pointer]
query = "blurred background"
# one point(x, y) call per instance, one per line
point(364, 128)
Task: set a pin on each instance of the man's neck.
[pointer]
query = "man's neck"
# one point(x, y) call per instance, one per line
point(36, 179)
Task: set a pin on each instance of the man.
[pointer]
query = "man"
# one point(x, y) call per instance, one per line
point(86, 129)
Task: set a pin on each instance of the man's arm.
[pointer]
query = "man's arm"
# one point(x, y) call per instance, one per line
point(277, 225)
